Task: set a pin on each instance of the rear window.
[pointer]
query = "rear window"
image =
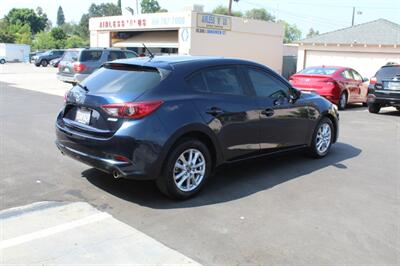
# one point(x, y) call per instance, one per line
point(88, 55)
point(319, 70)
point(388, 72)
point(135, 79)
point(71, 56)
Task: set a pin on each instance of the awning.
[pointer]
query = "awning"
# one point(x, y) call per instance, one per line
point(152, 39)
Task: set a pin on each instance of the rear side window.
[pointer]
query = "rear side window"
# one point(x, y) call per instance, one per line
point(122, 80)
point(71, 56)
point(347, 74)
point(217, 80)
point(88, 55)
point(114, 55)
point(267, 86)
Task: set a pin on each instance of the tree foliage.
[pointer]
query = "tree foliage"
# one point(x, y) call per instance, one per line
point(260, 14)
point(75, 41)
point(223, 10)
point(292, 33)
point(151, 6)
point(312, 33)
point(5, 34)
point(22, 16)
point(60, 16)
point(104, 10)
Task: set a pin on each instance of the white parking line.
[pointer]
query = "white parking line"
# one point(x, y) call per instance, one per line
point(53, 230)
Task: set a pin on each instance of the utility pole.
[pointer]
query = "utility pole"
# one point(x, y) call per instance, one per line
point(352, 19)
point(230, 8)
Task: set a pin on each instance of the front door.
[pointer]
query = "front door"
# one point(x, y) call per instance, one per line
point(283, 124)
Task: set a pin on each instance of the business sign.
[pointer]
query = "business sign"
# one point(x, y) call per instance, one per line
point(167, 20)
point(209, 21)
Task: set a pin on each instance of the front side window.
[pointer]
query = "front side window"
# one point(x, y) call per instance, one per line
point(266, 85)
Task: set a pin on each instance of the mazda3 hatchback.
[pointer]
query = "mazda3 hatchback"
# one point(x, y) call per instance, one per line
point(175, 119)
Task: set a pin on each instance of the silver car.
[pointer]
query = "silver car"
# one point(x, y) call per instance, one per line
point(77, 64)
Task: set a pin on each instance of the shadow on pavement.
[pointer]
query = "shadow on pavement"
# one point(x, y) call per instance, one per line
point(230, 183)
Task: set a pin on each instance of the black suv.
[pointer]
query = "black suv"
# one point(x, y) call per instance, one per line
point(384, 88)
point(174, 119)
point(43, 59)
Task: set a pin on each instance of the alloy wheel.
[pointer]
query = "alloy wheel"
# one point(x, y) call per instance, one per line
point(189, 170)
point(324, 138)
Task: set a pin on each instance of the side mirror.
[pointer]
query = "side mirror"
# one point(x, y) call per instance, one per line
point(294, 95)
point(365, 79)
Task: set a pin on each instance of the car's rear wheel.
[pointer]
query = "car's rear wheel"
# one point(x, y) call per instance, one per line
point(44, 63)
point(374, 108)
point(186, 170)
point(2, 61)
point(398, 109)
point(342, 101)
point(322, 138)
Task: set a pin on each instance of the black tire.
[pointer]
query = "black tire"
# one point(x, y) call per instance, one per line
point(374, 108)
point(343, 102)
point(398, 109)
point(313, 150)
point(365, 104)
point(166, 182)
point(2, 61)
point(44, 63)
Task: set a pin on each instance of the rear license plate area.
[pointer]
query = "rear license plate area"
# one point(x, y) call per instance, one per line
point(83, 116)
point(392, 85)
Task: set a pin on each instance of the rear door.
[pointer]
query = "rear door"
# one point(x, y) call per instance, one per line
point(283, 124)
point(225, 104)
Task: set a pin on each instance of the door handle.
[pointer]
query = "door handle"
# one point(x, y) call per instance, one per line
point(268, 112)
point(214, 111)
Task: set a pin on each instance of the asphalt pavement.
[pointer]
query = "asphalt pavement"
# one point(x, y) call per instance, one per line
point(289, 210)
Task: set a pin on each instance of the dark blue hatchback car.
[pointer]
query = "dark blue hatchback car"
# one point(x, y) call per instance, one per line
point(175, 119)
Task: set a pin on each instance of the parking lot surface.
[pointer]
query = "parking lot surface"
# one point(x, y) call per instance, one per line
point(291, 210)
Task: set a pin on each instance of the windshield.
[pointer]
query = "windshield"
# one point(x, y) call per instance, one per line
point(319, 70)
point(109, 80)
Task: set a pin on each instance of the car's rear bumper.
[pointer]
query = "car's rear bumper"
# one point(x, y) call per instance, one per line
point(72, 78)
point(327, 94)
point(384, 98)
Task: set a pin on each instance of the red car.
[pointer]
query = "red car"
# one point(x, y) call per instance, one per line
point(340, 85)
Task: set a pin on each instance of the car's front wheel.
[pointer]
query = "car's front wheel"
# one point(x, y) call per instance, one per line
point(374, 108)
point(186, 170)
point(322, 138)
point(44, 63)
point(2, 61)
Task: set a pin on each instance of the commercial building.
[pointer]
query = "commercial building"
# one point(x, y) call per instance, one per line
point(192, 32)
point(365, 47)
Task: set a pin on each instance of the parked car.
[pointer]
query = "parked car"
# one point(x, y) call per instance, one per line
point(340, 85)
point(384, 88)
point(55, 62)
point(77, 64)
point(43, 59)
point(175, 119)
point(2, 60)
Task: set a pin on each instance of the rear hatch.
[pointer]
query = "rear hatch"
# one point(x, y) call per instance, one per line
point(66, 65)
point(85, 110)
point(388, 79)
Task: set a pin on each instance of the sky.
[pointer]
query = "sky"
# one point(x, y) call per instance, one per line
point(322, 15)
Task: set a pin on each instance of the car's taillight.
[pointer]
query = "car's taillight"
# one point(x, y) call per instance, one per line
point(132, 110)
point(79, 67)
point(372, 81)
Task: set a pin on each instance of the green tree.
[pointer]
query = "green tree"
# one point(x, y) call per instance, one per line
point(150, 6)
point(59, 37)
point(259, 14)
point(22, 33)
point(104, 9)
point(292, 33)
point(70, 28)
point(312, 33)
point(43, 40)
point(119, 5)
point(28, 16)
point(223, 10)
point(60, 16)
point(6, 35)
point(75, 41)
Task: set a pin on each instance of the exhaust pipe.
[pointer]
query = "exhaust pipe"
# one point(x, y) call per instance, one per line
point(116, 174)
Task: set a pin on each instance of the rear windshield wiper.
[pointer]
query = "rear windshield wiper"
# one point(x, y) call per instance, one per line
point(83, 87)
